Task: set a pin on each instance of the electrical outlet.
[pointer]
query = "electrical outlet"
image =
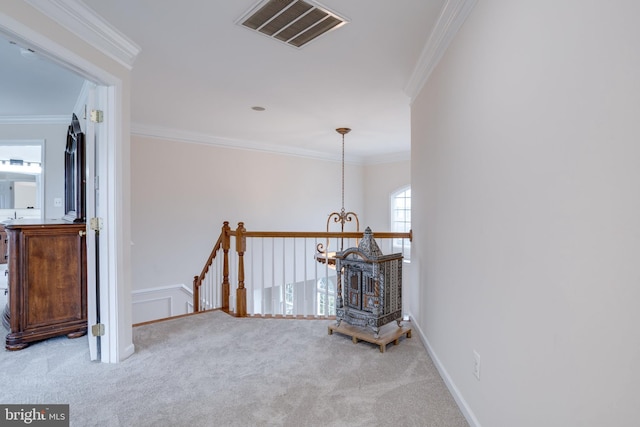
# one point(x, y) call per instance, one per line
point(57, 202)
point(476, 365)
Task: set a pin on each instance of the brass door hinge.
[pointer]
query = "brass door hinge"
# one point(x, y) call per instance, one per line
point(97, 116)
point(97, 330)
point(95, 224)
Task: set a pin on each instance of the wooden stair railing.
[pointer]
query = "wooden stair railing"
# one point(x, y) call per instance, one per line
point(241, 235)
point(224, 242)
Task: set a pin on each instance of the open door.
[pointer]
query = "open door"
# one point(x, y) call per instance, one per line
point(97, 277)
point(93, 305)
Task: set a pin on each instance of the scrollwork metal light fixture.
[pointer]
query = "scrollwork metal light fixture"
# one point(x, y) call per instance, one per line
point(341, 217)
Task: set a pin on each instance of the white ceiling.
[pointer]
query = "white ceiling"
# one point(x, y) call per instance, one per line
point(199, 73)
point(33, 86)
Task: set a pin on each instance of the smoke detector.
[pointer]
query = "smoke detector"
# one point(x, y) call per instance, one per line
point(294, 22)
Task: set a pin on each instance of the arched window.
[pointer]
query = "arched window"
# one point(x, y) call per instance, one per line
point(401, 219)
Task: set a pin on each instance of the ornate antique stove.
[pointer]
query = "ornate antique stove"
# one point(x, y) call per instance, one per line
point(369, 285)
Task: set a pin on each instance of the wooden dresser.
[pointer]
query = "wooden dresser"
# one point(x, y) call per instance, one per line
point(47, 281)
point(3, 245)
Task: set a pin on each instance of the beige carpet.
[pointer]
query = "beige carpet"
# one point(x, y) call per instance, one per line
point(216, 370)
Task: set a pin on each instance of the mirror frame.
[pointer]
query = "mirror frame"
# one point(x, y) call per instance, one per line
point(74, 174)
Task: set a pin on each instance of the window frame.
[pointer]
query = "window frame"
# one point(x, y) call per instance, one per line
point(400, 245)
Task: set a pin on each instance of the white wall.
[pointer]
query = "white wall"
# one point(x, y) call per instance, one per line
point(380, 181)
point(55, 137)
point(525, 174)
point(182, 192)
point(159, 303)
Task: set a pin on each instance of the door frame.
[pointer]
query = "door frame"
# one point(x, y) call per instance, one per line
point(115, 308)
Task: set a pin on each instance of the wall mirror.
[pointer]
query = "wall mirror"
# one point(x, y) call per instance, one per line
point(74, 174)
point(21, 179)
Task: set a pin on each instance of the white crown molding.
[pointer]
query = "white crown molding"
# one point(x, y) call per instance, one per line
point(236, 144)
point(53, 51)
point(82, 21)
point(21, 141)
point(452, 16)
point(379, 159)
point(35, 120)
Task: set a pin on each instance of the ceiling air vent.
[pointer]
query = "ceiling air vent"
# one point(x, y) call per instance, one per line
point(294, 22)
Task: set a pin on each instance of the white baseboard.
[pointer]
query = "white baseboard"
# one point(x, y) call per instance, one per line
point(161, 302)
point(127, 352)
point(462, 403)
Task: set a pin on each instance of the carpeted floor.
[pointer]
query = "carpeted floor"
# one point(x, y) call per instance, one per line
point(216, 370)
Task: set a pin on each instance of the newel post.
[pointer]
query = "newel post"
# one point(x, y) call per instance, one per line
point(241, 292)
point(226, 245)
point(196, 294)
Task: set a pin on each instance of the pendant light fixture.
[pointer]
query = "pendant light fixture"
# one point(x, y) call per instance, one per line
point(341, 217)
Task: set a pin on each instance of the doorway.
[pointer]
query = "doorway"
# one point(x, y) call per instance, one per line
point(113, 260)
